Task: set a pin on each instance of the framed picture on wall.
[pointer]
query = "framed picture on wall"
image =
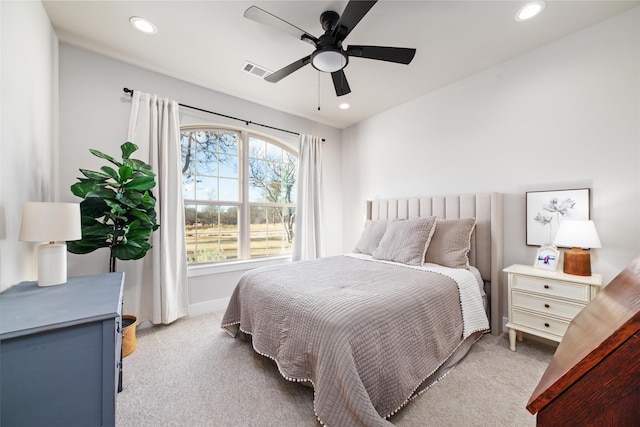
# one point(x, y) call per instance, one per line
point(546, 209)
point(547, 258)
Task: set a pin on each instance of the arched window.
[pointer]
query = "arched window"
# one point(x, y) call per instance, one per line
point(239, 195)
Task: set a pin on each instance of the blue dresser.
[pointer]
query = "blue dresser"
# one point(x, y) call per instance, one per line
point(60, 352)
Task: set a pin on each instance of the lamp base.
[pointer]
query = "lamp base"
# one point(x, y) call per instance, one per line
point(52, 264)
point(577, 262)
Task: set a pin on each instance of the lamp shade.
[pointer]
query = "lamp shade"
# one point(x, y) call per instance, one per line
point(577, 234)
point(50, 222)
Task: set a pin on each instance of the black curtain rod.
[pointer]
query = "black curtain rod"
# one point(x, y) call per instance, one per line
point(247, 122)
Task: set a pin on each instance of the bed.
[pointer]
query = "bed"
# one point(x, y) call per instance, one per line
point(371, 330)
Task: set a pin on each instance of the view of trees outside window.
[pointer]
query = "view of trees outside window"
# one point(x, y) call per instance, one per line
point(239, 195)
point(272, 177)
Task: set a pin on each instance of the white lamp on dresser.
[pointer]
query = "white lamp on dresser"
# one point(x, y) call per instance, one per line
point(54, 223)
point(577, 235)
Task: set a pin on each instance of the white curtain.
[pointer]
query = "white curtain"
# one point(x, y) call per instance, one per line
point(158, 289)
point(307, 240)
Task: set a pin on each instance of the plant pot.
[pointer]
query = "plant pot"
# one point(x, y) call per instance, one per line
point(129, 323)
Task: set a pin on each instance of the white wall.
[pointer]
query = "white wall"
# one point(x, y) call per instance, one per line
point(28, 128)
point(94, 113)
point(563, 116)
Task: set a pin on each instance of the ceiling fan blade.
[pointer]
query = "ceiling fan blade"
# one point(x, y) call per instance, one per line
point(352, 14)
point(401, 55)
point(284, 72)
point(263, 17)
point(340, 83)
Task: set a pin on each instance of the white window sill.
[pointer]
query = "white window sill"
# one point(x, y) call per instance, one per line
point(226, 267)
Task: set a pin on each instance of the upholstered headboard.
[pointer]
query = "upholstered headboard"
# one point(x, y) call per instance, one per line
point(486, 241)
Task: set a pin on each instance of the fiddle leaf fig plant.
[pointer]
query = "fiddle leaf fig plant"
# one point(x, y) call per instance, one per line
point(118, 210)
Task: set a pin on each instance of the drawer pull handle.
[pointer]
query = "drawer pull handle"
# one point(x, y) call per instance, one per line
point(546, 325)
point(546, 286)
point(546, 306)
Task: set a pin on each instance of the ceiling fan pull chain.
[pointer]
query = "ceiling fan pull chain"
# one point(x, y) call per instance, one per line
point(318, 90)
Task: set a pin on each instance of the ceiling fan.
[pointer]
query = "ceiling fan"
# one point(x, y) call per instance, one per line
point(329, 56)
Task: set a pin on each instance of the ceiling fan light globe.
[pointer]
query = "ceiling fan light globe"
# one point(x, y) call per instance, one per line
point(329, 60)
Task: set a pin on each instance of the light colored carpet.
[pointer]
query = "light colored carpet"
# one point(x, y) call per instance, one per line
point(191, 373)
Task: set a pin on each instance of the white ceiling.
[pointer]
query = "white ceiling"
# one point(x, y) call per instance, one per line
point(207, 43)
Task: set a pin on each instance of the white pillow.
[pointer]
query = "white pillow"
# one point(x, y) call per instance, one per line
point(406, 241)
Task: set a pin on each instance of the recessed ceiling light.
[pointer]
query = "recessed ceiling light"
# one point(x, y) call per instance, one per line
point(142, 25)
point(530, 10)
point(344, 106)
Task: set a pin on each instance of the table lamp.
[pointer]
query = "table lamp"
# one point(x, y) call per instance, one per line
point(577, 234)
point(54, 223)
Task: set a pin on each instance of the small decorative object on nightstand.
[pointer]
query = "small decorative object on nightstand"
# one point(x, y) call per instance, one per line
point(543, 302)
point(547, 258)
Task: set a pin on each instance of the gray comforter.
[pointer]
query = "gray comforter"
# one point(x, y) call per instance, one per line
point(365, 334)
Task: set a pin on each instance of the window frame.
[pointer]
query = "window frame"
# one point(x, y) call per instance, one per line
point(244, 204)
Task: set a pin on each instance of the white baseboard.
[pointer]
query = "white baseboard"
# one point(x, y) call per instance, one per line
point(208, 306)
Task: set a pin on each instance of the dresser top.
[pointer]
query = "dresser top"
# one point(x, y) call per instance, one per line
point(27, 308)
point(527, 270)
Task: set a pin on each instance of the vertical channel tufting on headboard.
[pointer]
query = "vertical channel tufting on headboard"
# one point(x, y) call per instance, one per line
point(486, 242)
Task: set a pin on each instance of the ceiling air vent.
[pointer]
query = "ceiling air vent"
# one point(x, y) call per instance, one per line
point(255, 70)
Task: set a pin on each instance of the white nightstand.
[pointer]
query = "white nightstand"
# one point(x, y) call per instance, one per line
point(543, 302)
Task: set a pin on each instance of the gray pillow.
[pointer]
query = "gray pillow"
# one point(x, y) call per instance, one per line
point(406, 241)
point(451, 243)
point(371, 236)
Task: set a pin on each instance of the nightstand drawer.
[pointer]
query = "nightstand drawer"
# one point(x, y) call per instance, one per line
point(539, 322)
point(551, 287)
point(545, 306)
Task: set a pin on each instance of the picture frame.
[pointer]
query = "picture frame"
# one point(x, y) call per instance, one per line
point(547, 258)
point(546, 209)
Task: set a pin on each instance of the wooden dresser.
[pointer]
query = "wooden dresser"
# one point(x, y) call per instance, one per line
point(593, 378)
point(60, 352)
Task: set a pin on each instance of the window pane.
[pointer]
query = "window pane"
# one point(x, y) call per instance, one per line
point(187, 155)
point(188, 188)
point(271, 231)
point(292, 195)
point(257, 191)
point(272, 170)
point(274, 191)
point(228, 142)
point(206, 188)
point(205, 140)
point(190, 231)
point(229, 189)
point(212, 233)
point(206, 162)
point(257, 169)
point(228, 166)
point(274, 152)
point(213, 248)
point(256, 148)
